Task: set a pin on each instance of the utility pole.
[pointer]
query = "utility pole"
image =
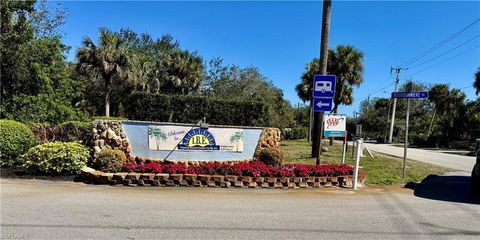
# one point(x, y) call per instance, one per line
point(392, 122)
point(318, 116)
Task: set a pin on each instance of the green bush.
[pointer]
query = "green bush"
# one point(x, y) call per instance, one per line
point(56, 158)
point(75, 131)
point(41, 108)
point(109, 160)
point(271, 156)
point(189, 109)
point(15, 139)
point(294, 133)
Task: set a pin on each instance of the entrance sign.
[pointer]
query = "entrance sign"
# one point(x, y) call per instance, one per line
point(334, 125)
point(324, 86)
point(184, 138)
point(409, 94)
point(322, 104)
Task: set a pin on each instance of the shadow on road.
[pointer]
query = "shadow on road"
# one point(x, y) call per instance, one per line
point(445, 188)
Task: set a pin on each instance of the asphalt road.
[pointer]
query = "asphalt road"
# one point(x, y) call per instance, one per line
point(449, 159)
point(64, 210)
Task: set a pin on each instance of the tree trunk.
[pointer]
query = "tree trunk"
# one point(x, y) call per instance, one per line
point(318, 116)
point(107, 99)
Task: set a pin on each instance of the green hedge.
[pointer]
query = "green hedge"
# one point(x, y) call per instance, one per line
point(294, 133)
point(57, 158)
point(190, 109)
point(15, 139)
point(75, 131)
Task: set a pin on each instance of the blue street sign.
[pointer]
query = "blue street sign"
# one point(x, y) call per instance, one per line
point(409, 94)
point(322, 104)
point(324, 86)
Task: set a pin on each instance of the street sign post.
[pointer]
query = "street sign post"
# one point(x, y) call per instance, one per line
point(408, 95)
point(323, 94)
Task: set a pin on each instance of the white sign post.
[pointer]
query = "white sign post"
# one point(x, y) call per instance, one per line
point(357, 163)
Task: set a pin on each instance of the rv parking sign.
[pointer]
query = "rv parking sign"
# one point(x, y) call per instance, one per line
point(323, 92)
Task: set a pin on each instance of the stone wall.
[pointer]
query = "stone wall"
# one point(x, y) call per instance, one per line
point(109, 134)
point(271, 137)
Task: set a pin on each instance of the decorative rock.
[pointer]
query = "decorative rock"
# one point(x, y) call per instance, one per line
point(96, 149)
point(245, 179)
point(277, 185)
point(284, 179)
point(303, 184)
point(231, 178)
point(176, 176)
point(147, 176)
point(238, 184)
point(258, 179)
point(291, 185)
point(271, 179)
point(140, 183)
point(189, 177)
point(110, 134)
point(123, 135)
point(119, 176)
point(133, 176)
point(225, 184)
point(265, 185)
point(183, 182)
point(196, 183)
point(103, 134)
point(325, 149)
point(218, 178)
point(162, 176)
point(211, 184)
point(252, 184)
point(169, 183)
point(204, 177)
point(296, 179)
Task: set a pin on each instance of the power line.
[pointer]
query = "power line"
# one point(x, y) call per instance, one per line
point(448, 59)
point(469, 40)
point(376, 91)
point(438, 45)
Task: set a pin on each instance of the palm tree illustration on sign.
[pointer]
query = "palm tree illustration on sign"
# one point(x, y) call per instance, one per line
point(236, 137)
point(158, 135)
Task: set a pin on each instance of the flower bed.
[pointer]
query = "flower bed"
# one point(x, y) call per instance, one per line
point(250, 169)
point(217, 174)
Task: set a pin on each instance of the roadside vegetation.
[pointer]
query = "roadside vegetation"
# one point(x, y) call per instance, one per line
point(381, 169)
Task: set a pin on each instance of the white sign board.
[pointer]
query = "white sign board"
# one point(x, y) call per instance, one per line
point(183, 138)
point(334, 125)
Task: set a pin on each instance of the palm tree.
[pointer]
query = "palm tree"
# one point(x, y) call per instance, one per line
point(476, 83)
point(183, 72)
point(236, 137)
point(106, 61)
point(158, 135)
point(345, 62)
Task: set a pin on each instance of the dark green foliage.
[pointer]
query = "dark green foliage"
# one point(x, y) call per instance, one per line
point(56, 158)
point(190, 109)
point(109, 160)
point(271, 156)
point(41, 108)
point(15, 139)
point(75, 131)
point(294, 133)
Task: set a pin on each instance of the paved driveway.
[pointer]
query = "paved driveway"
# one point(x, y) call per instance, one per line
point(46, 210)
point(448, 159)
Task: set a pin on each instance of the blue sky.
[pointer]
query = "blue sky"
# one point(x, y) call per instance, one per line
point(281, 37)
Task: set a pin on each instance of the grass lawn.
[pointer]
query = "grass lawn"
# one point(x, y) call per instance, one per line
point(382, 169)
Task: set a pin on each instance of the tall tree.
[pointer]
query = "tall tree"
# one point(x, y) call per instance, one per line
point(345, 62)
point(450, 107)
point(476, 83)
point(107, 62)
point(183, 72)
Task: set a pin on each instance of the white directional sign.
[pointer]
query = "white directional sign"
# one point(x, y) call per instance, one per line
point(322, 104)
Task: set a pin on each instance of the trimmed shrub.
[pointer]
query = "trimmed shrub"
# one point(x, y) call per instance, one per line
point(75, 131)
point(271, 156)
point(109, 160)
point(294, 133)
point(188, 109)
point(57, 158)
point(15, 139)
